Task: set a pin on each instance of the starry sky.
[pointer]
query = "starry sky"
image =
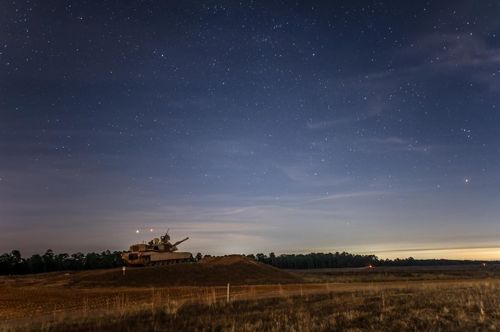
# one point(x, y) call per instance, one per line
point(253, 126)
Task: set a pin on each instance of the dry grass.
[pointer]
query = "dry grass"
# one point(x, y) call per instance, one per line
point(410, 273)
point(471, 303)
point(451, 305)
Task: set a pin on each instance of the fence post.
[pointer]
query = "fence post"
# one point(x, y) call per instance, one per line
point(227, 293)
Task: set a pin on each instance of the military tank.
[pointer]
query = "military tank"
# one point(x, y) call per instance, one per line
point(156, 252)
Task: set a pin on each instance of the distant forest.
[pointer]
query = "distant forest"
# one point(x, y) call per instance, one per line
point(344, 259)
point(14, 263)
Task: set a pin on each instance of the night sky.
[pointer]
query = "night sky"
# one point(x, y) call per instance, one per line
point(254, 126)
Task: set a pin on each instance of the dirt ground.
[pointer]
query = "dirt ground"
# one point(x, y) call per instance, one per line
point(55, 297)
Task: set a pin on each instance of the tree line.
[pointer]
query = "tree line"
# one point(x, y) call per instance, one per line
point(344, 259)
point(14, 263)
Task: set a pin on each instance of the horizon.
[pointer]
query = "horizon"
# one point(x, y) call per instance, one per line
point(461, 253)
point(251, 127)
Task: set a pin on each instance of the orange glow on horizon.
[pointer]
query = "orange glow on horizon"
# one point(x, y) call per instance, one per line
point(473, 253)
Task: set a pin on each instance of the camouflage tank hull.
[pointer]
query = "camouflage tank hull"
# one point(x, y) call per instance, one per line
point(154, 258)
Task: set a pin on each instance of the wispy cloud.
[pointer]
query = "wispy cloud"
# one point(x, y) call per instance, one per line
point(348, 195)
point(311, 175)
point(395, 144)
point(450, 54)
point(453, 50)
point(367, 111)
point(430, 57)
point(316, 125)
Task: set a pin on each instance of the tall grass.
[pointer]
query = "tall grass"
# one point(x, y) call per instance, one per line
point(439, 306)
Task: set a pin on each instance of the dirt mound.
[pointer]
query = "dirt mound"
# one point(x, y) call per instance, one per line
point(211, 271)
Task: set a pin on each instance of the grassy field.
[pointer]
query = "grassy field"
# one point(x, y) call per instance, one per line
point(407, 299)
point(400, 273)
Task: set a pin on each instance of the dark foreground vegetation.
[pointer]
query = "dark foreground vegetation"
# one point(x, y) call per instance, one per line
point(14, 263)
point(467, 308)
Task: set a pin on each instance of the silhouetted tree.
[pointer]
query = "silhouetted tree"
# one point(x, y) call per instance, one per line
point(261, 257)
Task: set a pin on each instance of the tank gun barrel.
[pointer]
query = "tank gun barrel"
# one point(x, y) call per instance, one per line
point(179, 242)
